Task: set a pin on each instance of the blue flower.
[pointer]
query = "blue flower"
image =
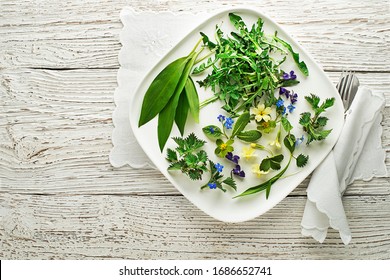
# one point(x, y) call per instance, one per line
point(212, 130)
point(229, 123)
point(279, 103)
point(299, 141)
point(284, 110)
point(212, 185)
point(221, 118)
point(233, 158)
point(237, 171)
point(290, 108)
point(219, 167)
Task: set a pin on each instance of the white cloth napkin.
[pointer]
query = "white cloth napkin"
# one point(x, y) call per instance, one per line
point(358, 154)
point(147, 36)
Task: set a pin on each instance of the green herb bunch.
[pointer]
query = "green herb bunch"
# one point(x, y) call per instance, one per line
point(243, 68)
point(314, 125)
point(187, 157)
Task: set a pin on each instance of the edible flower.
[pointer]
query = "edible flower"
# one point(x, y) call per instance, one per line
point(224, 148)
point(228, 123)
point(212, 185)
point(256, 170)
point(279, 103)
point(290, 108)
point(233, 158)
point(219, 167)
point(237, 171)
point(248, 153)
point(261, 113)
point(299, 141)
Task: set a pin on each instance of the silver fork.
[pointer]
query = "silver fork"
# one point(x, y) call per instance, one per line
point(347, 86)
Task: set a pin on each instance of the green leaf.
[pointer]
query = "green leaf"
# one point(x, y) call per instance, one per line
point(190, 159)
point(329, 102)
point(175, 166)
point(230, 182)
point(289, 142)
point(171, 155)
point(212, 131)
point(313, 100)
point(286, 124)
point(167, 115)
point(305, 119)
point(162, 89)
point(240, 124)
point(192, 98)
point(321, 121)
point(271, 163)
point(302, 160)
point(249, 135)
point(301, 64)
point(182, 112)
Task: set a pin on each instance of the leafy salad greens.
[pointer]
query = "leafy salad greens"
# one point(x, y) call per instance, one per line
point(244, 72)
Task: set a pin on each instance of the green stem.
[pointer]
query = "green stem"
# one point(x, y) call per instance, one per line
point(208, 101)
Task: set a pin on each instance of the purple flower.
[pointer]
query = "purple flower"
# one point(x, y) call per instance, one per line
point(228, 123)
point(219, 167)
point(212, 185)
point(290, 108)
point(279, 103)
point(284, 91)
point(233, 158)
point(237, 171)
point(221, 118)
point(293, 98)
point(292, 75)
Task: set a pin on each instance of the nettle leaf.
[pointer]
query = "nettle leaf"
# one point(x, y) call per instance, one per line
point(249, 135)
point(321, 121)
point(328, 103)
point(271, 163)
point(171, 155)
point(313, 100)
point(302, 160)
point(286, 124)
point(190, 159)
point(230, 182)
point(305, 119)
point(212, 131)
point(241, 123)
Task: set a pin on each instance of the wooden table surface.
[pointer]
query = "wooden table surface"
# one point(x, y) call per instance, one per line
point(61, 199)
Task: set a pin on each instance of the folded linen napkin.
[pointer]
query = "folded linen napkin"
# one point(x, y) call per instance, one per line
point(358, 154)
point(145, 38)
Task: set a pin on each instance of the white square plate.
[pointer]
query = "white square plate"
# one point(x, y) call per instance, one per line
point(216, 203)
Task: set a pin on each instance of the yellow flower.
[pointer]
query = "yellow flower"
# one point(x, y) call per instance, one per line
point(261, 113)
point(276, 143)
point(256, 170)
point(248, 153)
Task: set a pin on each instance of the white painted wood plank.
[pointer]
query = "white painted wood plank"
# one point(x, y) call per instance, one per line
point(85, 34)
point(136, 227)
point(55, 135)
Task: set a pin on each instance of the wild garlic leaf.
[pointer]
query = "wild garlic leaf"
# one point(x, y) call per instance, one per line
point(286, 124)
point(192, 98)
point(182, 112)
point(162, 88)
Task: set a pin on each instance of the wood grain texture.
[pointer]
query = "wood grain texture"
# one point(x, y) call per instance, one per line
point(61, 199)
point(131, 227)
